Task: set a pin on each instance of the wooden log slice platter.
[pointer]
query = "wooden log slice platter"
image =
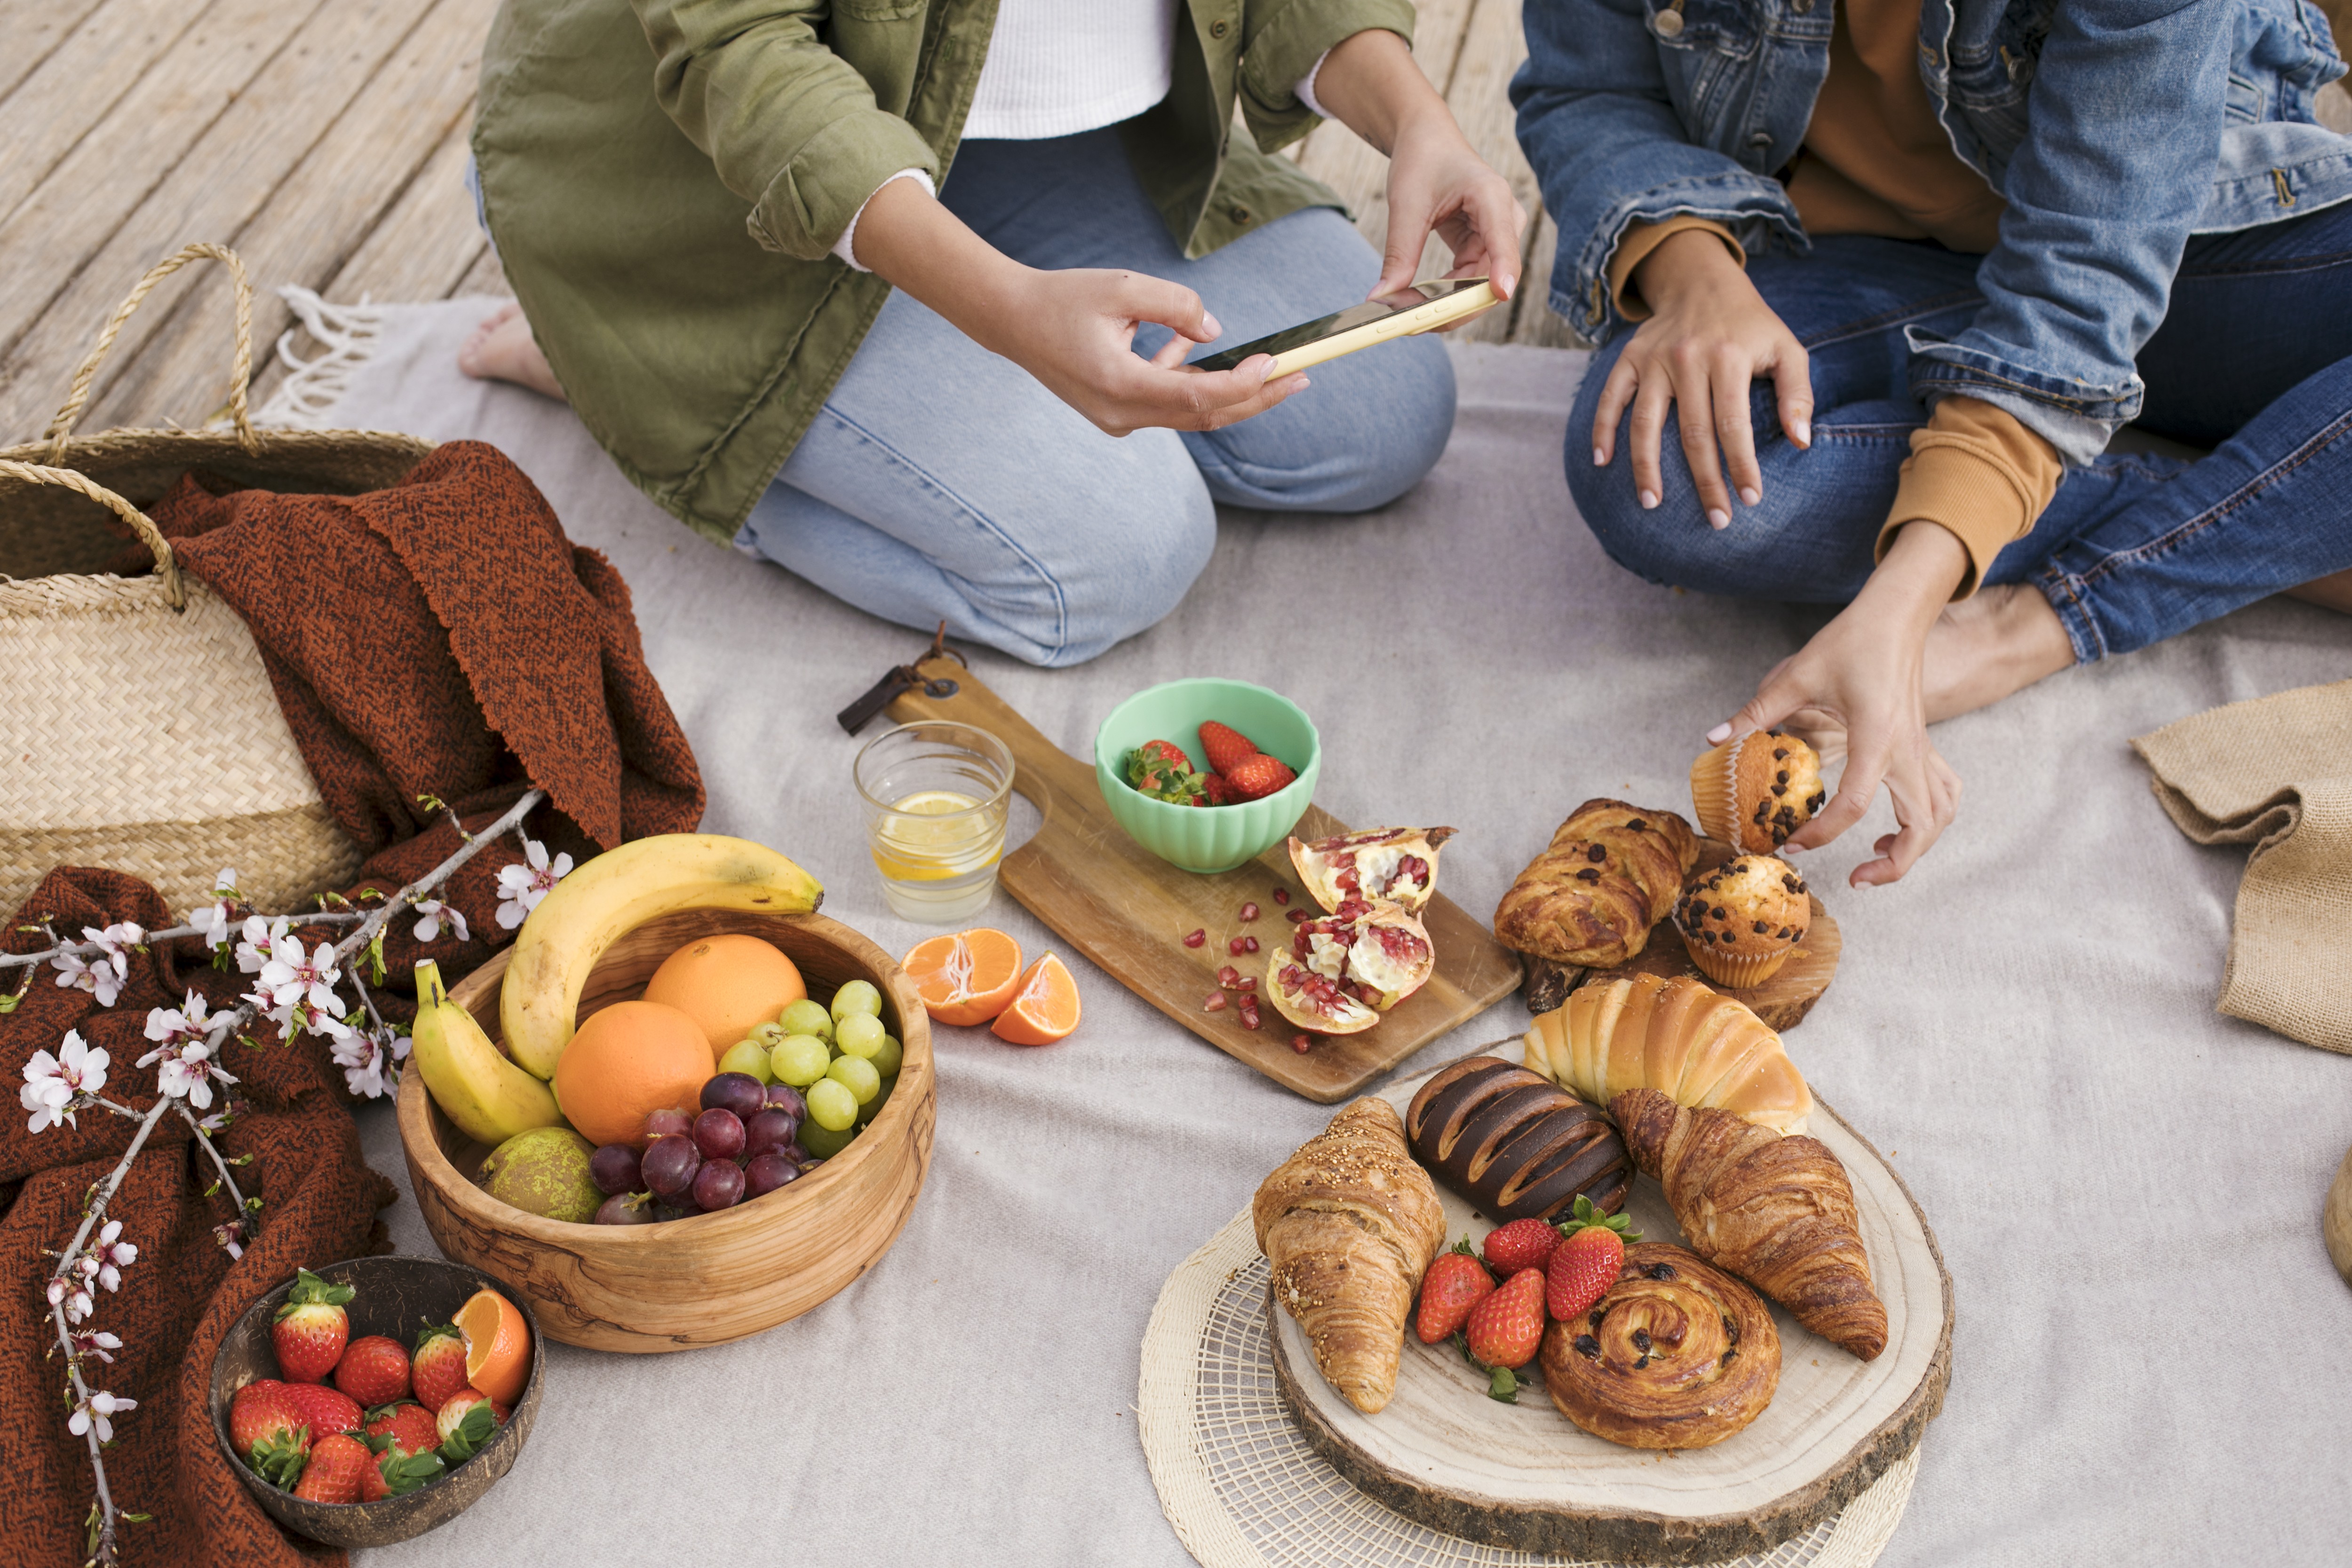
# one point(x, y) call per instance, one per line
point(1781, 1001)
point(1521, 1476)
point(1128, 910)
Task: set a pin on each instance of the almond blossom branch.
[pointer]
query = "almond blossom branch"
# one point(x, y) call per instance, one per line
point(83, 949)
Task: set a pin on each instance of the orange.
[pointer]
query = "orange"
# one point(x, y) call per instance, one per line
point(965, 978)
point(497, 1345)
point(1045, 1006)
point(627, 1061)
point(730, 984)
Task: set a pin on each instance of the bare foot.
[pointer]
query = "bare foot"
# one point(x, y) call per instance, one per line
point(503, 349)
point(2328, 592)
point(1984, 648)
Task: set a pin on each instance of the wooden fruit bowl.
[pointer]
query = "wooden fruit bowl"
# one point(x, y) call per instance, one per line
point(711, 1278)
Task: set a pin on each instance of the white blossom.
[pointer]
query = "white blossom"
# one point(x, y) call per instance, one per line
point(522, 887)
point(97, 1343)
point(293, 978)
point(214, 917)
point(93, 1412)
point(435, 913)
point(108, 1257)
point(54, 1084)
point(102, 977)
point(188, 1068)
point(73, 1296)
point(258, 936)
point(308, 1015)
point(369, 1069)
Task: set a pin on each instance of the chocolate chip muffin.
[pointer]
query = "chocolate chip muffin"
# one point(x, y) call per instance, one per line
point(1753, 791)
point(1742, 920)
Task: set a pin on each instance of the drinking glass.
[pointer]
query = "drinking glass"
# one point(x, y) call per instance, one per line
point(935, 796)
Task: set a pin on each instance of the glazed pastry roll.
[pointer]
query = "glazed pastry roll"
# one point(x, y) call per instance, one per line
point(1678, 1354)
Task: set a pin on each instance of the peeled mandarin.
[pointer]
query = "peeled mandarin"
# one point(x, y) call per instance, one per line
point(497, 1345)
point(730, 984)
point(967, 978)
point(1045, 1006)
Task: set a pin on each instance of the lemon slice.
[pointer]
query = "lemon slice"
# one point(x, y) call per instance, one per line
point(926, 839)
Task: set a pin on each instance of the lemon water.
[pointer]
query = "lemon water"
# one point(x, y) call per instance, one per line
point(937, 854)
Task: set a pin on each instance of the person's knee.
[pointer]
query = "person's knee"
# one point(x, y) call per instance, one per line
point(1369, 427)
point(1412, 421)
point(1125, 559)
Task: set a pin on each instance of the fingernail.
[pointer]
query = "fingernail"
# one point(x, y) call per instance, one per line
point(1804, 430)
point(1719, 734)
point(1209, 325)
point(1750, 496)
point(1649, 500)
point(1599, 458)
point(1718, 518)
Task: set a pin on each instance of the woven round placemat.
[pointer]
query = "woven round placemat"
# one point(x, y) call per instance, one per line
point(1243, 1490)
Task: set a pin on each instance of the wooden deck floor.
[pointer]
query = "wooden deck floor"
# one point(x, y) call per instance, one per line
point(325, 140)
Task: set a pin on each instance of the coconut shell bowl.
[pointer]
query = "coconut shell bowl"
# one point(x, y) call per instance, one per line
point(394, 1296)
point(711, 1278)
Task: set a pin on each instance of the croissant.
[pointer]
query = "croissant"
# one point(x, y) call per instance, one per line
point(1676, 1356)
point(1694, 1045)
point(1514, 1144)
point(1350, 1223)
point(1778, 1212)
point(1612, 873)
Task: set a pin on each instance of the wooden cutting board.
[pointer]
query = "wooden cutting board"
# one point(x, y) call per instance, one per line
point(1522, 1476)
point(1129, 911)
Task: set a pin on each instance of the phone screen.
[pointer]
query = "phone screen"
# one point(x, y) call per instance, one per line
point(1338, 321)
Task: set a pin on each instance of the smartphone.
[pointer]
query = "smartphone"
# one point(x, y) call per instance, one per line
point(1423, 307)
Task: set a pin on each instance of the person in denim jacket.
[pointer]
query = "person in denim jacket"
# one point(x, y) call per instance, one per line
point(1900, 269)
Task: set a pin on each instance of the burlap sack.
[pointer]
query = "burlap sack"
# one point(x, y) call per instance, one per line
point(2276, 773)
point(142, 731)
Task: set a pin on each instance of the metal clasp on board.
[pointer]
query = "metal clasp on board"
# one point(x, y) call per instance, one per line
point(900, 680)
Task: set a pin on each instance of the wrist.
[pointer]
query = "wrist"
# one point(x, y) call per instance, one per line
point(1691, 258)
point(1924, 565)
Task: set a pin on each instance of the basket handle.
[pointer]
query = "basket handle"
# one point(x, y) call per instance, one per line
point(167, 566)
point(240, 369)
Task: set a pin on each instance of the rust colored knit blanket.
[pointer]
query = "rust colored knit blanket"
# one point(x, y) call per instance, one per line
point(441, 637)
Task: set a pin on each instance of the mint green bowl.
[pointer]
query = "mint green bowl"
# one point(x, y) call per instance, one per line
point(1207, 838)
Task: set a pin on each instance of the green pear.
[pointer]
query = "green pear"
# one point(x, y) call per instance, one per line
point(544, 1172)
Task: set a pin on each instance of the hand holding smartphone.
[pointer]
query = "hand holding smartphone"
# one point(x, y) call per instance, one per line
point(1422, 308)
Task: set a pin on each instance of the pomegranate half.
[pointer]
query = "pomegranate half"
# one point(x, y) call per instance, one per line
point(1344, 969)
point(1398, 865)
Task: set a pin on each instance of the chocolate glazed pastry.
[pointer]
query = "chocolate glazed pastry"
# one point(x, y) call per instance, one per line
point(1678, 1354)
point(1513, 1144)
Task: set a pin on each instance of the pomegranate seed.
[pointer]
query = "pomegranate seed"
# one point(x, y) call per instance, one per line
point(1215, 1004)
point(1298, 915)
point(1249, 982)
point(1302, 1043)
point(1233, 944)
point(1249, 944)
point(1282, 895)
point(1249, 912)
point(1196, 939)
point(1249, 1020)
point(1229, 976)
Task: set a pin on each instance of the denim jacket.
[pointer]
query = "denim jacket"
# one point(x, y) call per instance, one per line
point(2115, 129)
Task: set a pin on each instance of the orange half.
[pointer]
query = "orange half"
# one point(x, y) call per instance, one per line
point(965, 978)
point(1045, 1006)
point(497, 1345)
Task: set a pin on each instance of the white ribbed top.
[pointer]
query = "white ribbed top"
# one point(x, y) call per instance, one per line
point(1055, 68)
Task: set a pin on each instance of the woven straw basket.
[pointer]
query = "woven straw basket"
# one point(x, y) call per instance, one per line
point(140, 731)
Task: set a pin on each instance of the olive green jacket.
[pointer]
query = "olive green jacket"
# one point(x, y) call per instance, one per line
point(665, 179)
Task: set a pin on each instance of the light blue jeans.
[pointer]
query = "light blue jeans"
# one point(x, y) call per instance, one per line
point(942, 481)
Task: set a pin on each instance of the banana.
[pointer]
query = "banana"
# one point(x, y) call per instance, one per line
point(619, 889)
point(490, 1097)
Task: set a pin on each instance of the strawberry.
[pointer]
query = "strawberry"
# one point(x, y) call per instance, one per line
point(322, 1409)
point(1215, 790)
point(334, 1474)
point(1224, 746)
point(466, 1422)
point(438, 1369)
point(373, 1487)
point(373, 1370)
point(1161, 769)
point(311, 1328)
point(405, 1428)
point(397, 1474)
point(1506, 1328)
point(1521, 1244)
point(1455, 1283)
point(1255, 777)
point(1585, 1264)
point(266, 1428)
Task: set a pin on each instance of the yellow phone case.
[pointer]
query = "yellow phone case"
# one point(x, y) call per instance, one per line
point(1422, 319)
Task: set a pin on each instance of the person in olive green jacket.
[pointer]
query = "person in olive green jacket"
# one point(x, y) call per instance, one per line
point(873, 289)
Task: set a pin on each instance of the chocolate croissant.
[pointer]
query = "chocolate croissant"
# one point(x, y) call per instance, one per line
point(1680, 1037)
point(1513, 1145)
point(1676, 1356)
point(1350, 1223)
point(1777, 1211)
point(1613, 871)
